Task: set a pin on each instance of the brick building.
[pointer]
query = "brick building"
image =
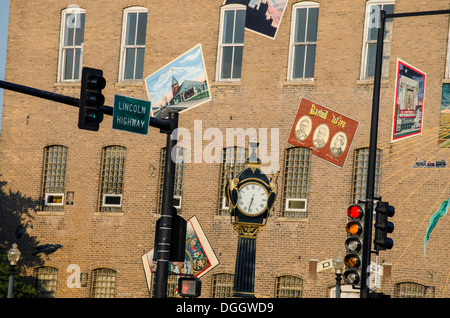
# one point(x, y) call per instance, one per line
point(322, 51)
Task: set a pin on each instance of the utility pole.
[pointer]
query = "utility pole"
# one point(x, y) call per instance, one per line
point(364, 292)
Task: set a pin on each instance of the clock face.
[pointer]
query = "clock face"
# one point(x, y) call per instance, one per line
point(252, 199)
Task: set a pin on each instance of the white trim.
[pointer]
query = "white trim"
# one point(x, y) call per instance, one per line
point(292, 44)
point(294, 209)
point(447, 65)
point(48, 195)
point(220, 45)
point(71, 9)
point(104, 204)
point(179, 197)
point(123, 47)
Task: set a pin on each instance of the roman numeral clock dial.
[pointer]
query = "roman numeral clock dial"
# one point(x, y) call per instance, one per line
point(252, 199)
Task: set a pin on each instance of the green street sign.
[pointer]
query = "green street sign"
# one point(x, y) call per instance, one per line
point(131, 114)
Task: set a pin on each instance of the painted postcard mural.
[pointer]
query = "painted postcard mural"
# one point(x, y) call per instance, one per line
point(180, 85)
point(326, 132)
point(263, 16)
point(199, 255)
point(444, 126)
point(409, 101)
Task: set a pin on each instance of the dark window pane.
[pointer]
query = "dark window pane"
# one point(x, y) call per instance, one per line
point(240, 26)
point(142, 28)
point(310, 61)
point(139, 63)
point(313, 18)
point(300, 27)
point(228, 27)
point(131, 29)
point(227, 58)
point(299, 60)
point(237, 63)
point(68, 66)
point(79, 29)
point(129, 63)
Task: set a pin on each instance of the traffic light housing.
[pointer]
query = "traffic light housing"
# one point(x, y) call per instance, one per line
point(354, 244)
point(189, 287)
point(177, 238)
point(91, 98)
point(383, 226)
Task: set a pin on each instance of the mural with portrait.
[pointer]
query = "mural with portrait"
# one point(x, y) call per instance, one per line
point(326, 132)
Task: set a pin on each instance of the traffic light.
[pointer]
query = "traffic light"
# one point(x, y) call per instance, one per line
point(177, 238)
point(189, 286)
point(91, 98)
point(354, 244)
point(383, 226)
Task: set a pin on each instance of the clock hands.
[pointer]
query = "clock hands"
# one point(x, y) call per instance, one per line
point(250, 206)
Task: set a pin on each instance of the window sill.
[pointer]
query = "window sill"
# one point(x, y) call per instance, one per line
point(114, 214)
point(50, 213)
point(225, 83)
point(305, 82)
point(369, 81)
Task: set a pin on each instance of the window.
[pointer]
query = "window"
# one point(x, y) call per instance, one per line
point(178, 182)
point(302, 49)
point(233, 163)
point(103, 283)
point(296, 182)
point(373, 9)
point(54, 177)
point(413, 290)
point(71, 44)
point(360, 174)
point(45, 281)
point(223, 285)
point(231, 43)
point(112, 180)
point(134, 32)
point(289, 287)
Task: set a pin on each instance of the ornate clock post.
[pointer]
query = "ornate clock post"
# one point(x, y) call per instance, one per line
point(250, 196)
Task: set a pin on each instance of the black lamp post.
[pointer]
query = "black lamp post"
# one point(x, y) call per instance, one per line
point(338, 264)
point(13, 257)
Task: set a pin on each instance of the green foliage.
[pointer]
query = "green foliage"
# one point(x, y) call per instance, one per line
point(20, 289)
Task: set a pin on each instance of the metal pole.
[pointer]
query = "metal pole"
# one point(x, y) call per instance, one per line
point(165, 224)
point(11, 282)
point(365, 266)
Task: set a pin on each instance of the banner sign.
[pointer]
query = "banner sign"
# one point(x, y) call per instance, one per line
point(409, 101)
point(326, 132)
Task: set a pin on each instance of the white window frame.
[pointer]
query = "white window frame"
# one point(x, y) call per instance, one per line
point(221, 45)
point(366, 43)
point(105, 195)
point(293, 44)
point(72, 9)
point(294, 209)
point(124, 46)
point(47, 195)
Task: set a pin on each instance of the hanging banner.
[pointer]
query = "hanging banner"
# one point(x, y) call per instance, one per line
point(409, 101)
point(326, 132)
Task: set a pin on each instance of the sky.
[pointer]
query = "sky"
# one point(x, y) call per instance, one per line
point(4, 17)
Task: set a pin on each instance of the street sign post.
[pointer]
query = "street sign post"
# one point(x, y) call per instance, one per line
point(131, 114)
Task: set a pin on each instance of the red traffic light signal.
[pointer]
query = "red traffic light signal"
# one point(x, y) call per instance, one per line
point(353, 244)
